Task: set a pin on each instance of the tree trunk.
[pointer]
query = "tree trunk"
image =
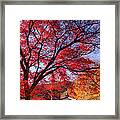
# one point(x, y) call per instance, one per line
point(27, 95)
point(26, 86)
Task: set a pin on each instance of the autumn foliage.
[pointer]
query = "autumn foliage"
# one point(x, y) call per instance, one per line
point(59, 59)
point(86, 86)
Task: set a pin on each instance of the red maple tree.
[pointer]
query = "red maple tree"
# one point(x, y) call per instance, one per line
point(55, 52)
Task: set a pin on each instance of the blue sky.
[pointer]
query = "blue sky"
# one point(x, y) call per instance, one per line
point(95, 56)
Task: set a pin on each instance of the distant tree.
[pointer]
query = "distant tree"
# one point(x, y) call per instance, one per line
point(54, 52)
point(86, 86)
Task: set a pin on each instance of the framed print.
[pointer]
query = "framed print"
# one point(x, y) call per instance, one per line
point(60, 60)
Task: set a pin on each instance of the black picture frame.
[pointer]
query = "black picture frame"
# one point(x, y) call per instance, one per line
point(2, 60)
